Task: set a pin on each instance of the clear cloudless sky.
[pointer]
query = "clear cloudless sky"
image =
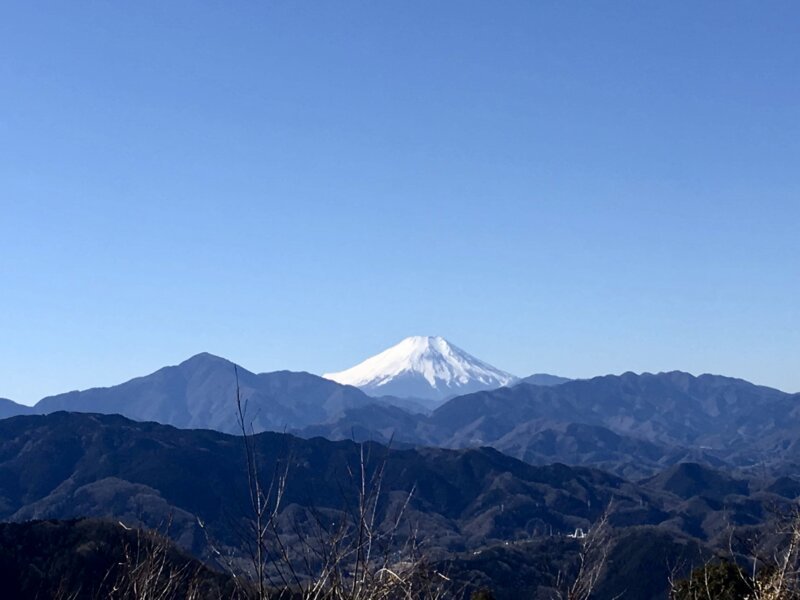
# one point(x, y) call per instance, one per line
point(570, 187)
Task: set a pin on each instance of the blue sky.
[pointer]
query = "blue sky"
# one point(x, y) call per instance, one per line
point(570, 187)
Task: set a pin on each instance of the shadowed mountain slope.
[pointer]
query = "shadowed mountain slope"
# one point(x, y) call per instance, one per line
point(69, 465)
point(687, 480)
point(66, 465)
point(86, 559)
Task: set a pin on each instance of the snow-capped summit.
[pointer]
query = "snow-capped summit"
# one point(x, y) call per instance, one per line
point(425, 367)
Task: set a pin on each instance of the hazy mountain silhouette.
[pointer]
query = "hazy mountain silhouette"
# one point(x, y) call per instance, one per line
point(9, 408)
point(544, 379)
point(201, 392)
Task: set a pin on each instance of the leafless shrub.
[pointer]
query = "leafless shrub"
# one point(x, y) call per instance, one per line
point(148, 572)
point(778, 577)
point(592, 559)
point(65, 592)
point(772, 571)
point(356, 555)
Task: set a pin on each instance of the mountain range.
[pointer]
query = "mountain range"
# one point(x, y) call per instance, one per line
point(467, 502)
point(201, 391)
point(682, 458)
point(631, 424)
point(416, 375)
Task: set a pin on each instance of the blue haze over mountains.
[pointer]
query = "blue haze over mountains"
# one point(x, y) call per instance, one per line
point(630, 424)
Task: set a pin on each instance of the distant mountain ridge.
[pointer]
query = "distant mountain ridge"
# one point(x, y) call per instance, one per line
point(631, 424)
point(9, 408)
point(623, 423)
point(426, 367)
point(200, 393)
point(544, 379)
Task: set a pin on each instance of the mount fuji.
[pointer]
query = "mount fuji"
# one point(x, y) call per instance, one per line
point(423, 367)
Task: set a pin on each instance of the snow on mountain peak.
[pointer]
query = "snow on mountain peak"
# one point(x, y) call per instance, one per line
point(426, 367)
